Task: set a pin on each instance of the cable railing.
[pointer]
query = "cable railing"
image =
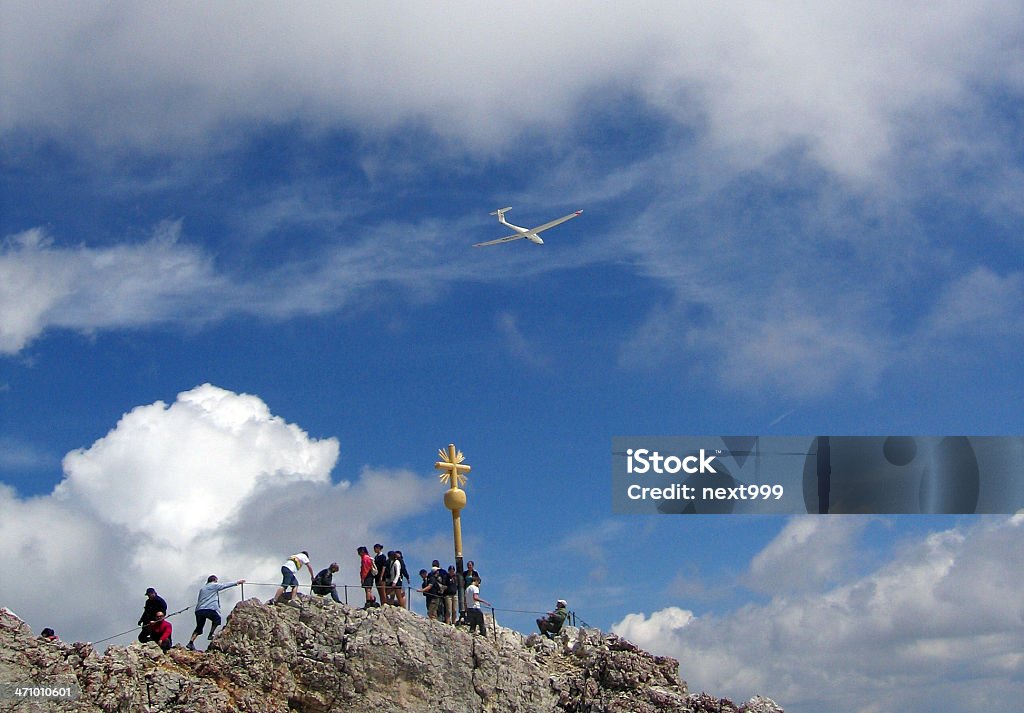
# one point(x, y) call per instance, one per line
point(407, 589)
point(571, 620)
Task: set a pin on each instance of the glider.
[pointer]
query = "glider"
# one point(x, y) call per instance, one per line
point(530, 234)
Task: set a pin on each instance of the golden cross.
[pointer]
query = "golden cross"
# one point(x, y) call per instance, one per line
point(451, 463)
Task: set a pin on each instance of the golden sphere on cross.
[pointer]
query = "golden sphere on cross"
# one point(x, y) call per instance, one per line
point(455, 499)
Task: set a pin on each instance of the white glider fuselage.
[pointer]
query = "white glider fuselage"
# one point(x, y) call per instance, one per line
point(530, 234)
point(525, 232)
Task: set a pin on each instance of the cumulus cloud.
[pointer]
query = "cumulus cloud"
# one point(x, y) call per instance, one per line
point(938, 627)
point(213, 482)
point(808, 553)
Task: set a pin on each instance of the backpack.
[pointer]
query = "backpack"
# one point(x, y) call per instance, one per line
point(438, 588)
point(320, 585)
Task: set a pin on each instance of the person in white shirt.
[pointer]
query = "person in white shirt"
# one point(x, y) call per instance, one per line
point(474, 615)
point(289, 569)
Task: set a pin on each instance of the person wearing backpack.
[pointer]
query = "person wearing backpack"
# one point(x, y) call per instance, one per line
point(395, 590)
point(289, 569)
point(367, 575)
point(437, 589)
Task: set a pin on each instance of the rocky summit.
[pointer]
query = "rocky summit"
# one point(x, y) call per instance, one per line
point(314, 656)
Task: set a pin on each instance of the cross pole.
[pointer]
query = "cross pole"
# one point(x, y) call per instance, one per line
point(455, 499)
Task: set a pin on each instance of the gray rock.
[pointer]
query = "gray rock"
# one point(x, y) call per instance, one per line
point(319, 657)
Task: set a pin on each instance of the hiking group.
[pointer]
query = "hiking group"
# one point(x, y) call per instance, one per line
point(383, 578)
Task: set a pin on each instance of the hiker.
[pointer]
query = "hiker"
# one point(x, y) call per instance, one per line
point(401, 561)
point(381, 561)
point(323, 583)
point(396, 592)
point(451, 596)
point(555, 620)
point(289, 569)
point(208, 607)
point(425, 588)
point(433, 590)
point(438, 586)
point(474, 615)
point(467, 576)
point(49, 634)
point(367, 574)
point(158, 630)
point(154, 603)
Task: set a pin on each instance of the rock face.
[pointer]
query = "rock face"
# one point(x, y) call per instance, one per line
point(317, 656)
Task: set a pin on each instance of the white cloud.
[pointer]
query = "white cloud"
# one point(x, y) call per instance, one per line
point(42, 285)
point(806, 554)
point(844, 79)
point(980, 303)
point(936, 628)
point(212, 483)
point(15, 454)
point(517, 343)
point(165, 279)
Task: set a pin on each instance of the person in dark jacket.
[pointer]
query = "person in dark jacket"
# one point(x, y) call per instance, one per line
point(154, 603)
point(323, 582)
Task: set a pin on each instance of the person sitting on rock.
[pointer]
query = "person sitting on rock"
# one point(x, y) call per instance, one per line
point(48, 634)
point(323, 582)
point(555, 620)
point(158, 630)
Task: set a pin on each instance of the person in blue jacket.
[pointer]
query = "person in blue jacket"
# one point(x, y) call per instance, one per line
point(208, 607)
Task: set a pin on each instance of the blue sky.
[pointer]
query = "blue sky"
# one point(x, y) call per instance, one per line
point(239, 310)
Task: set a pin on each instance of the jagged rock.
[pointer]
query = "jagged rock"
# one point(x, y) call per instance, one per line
point(319, 657)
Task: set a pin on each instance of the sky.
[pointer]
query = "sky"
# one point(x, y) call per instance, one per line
point(240, 312)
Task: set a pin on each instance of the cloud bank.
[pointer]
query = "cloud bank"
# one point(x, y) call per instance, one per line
point(797, 154)
point(937, 627)
point(212, 483)
point(846, 80)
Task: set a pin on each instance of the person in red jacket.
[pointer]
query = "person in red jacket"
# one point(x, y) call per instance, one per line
point(158, 630)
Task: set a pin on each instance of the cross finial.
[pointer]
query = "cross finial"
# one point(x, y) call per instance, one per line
point(451, 463)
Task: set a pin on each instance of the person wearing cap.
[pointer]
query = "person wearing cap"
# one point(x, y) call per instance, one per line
point(154, 603)
point(555, 620)
point(208, 607)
